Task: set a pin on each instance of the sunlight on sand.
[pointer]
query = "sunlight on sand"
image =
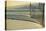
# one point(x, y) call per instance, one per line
point(18, 24)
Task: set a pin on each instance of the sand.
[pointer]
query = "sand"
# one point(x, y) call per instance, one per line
point(19, 24)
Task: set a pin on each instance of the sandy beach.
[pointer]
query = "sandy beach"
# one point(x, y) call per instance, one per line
point(18, 24)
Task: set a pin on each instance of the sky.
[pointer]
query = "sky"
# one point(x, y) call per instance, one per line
point(16, 3)
point(19, 2)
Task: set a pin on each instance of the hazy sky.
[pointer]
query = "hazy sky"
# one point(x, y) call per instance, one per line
point(17, 3)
